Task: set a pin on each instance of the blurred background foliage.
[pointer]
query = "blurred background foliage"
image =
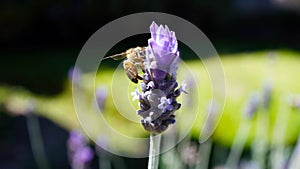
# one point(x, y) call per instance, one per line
point(258, 42)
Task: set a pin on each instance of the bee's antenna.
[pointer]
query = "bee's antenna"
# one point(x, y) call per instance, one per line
point(116, 56)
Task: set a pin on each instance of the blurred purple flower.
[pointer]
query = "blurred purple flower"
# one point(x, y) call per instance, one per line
point(101, 95)
point(159, 87)
point(76, 139)
point(189, 154)
point(74, 75)
point(294, 101)
point(252, 105)
point(80, 154)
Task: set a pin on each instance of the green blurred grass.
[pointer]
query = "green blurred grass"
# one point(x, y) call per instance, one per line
point(244, 73)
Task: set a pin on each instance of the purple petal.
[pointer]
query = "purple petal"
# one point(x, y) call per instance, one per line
point(158, 75)
point(162, 51)
point(169, 107)
point(153, 29)
point(84, 154)
point(169, 101)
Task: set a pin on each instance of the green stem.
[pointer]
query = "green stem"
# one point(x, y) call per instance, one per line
point(238, 145)
point(204, 152)
point(294, 161)
point(279, 134)
point(154, 151)
point(103, 160)
point(36, 141)
point(260, 144)
point(118, 163)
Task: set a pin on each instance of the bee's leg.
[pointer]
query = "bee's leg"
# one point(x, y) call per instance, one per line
point(135, 69)
point(132, 75)
point(131, 71)
point(140, 77)
point(141, 66)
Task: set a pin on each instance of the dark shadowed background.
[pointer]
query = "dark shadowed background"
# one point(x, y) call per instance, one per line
point(34, 35)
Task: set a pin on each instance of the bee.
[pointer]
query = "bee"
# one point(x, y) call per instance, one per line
point(133, 62)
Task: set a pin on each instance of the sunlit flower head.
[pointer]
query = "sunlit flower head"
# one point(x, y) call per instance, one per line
point(162, 51)
point(157, 101)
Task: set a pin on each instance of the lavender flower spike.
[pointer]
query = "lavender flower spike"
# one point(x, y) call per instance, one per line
point(159, 87)
point(80, 154)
